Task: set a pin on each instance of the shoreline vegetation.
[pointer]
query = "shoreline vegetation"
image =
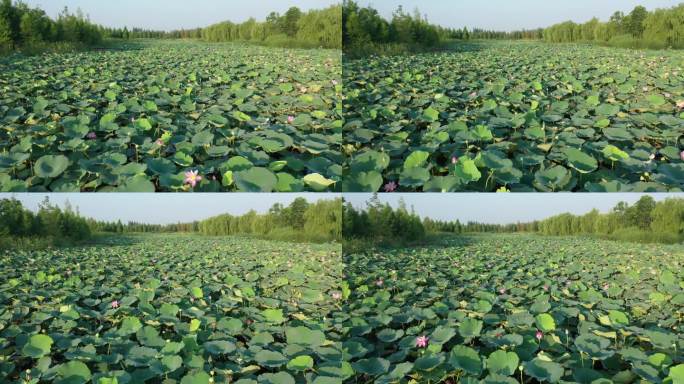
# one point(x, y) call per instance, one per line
point(54, 226)
point(646, 221)
point(365, 32)
point(29, 30)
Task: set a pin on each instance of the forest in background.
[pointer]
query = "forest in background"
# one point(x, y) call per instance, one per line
point(23, 27)
point(295, 28)
point(30, 30)
point(646, 221)
point(50, 225)
point(300, 221)
point(658, 29)
point(365, 31)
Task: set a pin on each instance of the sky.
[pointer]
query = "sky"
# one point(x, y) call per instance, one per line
point(503, 208)
point(508, 15)
point(164, 208)
point(174, 14)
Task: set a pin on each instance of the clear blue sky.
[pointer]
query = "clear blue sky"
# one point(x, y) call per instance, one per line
point(174, 14)
point(164, 208)
point(506, 15)
point(503, 208)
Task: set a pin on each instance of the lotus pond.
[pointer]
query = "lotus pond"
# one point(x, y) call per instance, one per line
point(517, 309)
point(173, 309)
point(518, 117)
point(243, 118)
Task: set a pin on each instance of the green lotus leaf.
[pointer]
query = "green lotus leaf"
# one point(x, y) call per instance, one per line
point(467, 171)
point(579, 160)
point(470, 328)
point(37, 346)
point(219, 347)
point(317, 182)
point(276, 378)
point(502, 362)
point(431, 114)
point(129, 325)
point(270, 358)
point(545, 322)
point(544, 371)
point(465, 358)
point(594, 346)
point(255, 179)
point(196, 378)
point(372, 367)
point(143, 124)
point(51, 166)
point(614, 153)
point(414, 177)
point(416, 159)
point(300, 363)
point(428, 362)
point(171, 363)
point(203, 138)
point(304, 336)
point(73, 372)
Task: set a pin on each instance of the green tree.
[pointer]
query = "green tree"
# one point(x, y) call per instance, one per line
point(635, 21)
point(291, 20)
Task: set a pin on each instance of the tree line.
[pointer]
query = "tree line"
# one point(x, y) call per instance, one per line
point(136, 227)
point(661, 28)
point(381, 223)
point(315, 28)
point(141, 33)
point(644, 221)
point(301, 221)
point(365, 31)
point(23, 26)
point(52, 224)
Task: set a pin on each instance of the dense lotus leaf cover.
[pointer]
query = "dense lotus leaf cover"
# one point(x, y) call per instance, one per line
point(608, 312)
point(246, 118)
point(173, 308)
point(516, 116)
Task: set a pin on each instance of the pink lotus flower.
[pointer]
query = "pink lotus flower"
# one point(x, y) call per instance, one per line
point(605, 286)
point(473, 94)
point(502, 290)
point(421, 341)
point(546, 287)
point(336, 295)
point(290, 119)
point(115, 304)
point(379, 282)
point(91, 136)
point(680, 104)
point(159, 142)
point(681, 155)
point(192, 178)
point(454, 159)
point(390, 187)
point(539, 335)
